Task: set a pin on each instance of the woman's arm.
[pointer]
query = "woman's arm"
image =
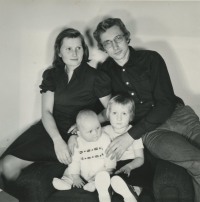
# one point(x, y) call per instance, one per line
point(102, 115)
point(48, 121)
point(104, 100)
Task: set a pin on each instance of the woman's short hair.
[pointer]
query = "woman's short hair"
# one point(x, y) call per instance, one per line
point(106, 24)
point(124, 100)
point(68, 33)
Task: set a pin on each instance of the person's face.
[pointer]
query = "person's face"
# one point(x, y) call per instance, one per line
point(71, 51)
point(119, 116)
point(118, 51)
point(90, 129)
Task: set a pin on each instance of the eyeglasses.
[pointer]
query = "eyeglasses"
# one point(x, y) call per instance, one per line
point(108, 44)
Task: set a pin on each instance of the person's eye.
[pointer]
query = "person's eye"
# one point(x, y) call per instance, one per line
point(114, 113)
point(118, 38)
point(106, 43)
point(79, 48)
point(68, 49)
point(124, 113)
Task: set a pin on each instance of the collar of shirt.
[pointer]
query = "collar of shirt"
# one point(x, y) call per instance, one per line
point(79, 72)
point(132, 61)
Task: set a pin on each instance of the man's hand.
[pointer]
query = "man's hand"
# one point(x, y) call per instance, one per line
point(77, 181)
point(72, 142)
point(119, 145)
point(125, 169)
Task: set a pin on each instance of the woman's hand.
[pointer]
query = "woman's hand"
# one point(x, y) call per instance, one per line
point(125, 169)
point(61, 150)
point(73, 129)
point(72, 142)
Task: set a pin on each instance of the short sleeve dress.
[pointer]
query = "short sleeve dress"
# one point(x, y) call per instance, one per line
point(83, 91)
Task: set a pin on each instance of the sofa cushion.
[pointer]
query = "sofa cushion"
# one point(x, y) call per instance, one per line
point(172, 183)
point(35, 182)
point(80, 195)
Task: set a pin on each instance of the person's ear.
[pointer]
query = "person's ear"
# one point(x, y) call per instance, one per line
point(78, 133)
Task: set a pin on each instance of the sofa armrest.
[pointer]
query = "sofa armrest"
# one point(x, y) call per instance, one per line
point(172, 183)
point(35, 182)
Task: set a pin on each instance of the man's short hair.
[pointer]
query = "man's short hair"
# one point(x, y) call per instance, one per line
point(106, 24)
point(124, 100)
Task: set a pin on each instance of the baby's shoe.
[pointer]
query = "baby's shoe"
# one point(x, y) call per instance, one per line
point(90, 186)
point(64, 183)
point(125, 190)
point(102, 184)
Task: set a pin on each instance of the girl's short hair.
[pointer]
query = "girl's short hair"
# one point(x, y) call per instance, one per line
point(68, 33)
point(125, 100)
point(106, 24)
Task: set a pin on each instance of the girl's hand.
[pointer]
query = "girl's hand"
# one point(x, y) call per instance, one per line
point(125, 169)
point(61, 150)
point(73, 129)
point(72, 142)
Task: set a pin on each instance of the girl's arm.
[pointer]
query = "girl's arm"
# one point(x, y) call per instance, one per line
point(137, 162)
point(48, 121)
point(139, 159)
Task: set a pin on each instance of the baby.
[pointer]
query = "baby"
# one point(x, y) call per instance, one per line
point(120, 112)
point(89, 160)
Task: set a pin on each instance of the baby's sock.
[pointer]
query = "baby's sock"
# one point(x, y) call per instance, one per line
point(64, 183)
point(102, 183)
point(90, 186)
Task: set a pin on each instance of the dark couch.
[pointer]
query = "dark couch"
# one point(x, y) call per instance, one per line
point(170, 183)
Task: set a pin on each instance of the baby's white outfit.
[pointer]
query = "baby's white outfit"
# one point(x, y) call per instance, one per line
point(88, 160)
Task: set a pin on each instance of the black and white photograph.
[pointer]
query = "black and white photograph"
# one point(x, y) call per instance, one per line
point(100, 101)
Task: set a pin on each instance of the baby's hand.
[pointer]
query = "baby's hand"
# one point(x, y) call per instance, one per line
point(73, 129)
point(78, 182)
point(125, 169)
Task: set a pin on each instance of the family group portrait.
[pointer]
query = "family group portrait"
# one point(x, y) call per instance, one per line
point(100, 101)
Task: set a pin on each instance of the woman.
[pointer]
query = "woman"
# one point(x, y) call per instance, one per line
point(68, 87)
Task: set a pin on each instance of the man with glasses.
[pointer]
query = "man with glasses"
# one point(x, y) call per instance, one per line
point(170, 130)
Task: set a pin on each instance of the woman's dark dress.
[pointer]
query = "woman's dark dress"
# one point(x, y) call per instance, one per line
point(83, 91)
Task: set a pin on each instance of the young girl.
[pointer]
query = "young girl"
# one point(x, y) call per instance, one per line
point(120, 112)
